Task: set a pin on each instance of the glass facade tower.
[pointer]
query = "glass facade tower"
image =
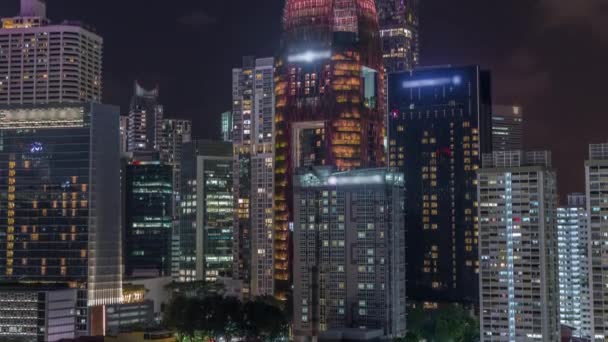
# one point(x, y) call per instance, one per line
point(439, 125)
point(149, 219)
point(60, 199)
point(206, 218)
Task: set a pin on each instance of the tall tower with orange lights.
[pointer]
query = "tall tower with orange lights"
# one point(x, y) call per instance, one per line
point(329, 102)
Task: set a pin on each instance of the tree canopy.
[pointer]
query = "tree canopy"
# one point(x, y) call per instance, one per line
point(201, 319)
point(448, 323)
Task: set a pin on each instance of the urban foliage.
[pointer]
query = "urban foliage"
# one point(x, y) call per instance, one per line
point(449, 323)
point(213, 317)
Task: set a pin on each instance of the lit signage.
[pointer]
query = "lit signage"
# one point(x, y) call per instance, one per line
point(36, 147)
point(309, 56)
point(430, 82)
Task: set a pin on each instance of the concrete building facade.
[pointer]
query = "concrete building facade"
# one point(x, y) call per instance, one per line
point(519, 297)
point(349, 262)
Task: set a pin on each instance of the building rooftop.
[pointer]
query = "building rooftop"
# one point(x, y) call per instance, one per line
point(598, 151)
point(503, 159)
point(325, 176)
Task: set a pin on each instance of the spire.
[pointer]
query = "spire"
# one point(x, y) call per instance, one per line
point(33, 8)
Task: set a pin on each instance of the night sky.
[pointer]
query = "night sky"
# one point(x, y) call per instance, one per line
point(549, 56)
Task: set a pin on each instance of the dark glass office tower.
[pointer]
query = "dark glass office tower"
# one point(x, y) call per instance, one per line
point(439, 124)
point(206, 217)
point(149, 218)
point(60, 200)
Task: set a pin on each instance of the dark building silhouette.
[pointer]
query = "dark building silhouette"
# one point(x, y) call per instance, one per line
point(439, 125)
point(149, 218)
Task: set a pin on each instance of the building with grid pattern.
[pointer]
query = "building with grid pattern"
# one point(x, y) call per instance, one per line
point(145, 120)
point(398, 21)
point(519, 296)
point(573, 253)
point(596, 172)
point(37, 313)
point(42, 62)
point(330, 103)
point(60, 202)
point(206, 211)
point(439, 125)
point(349, 262)
point(253, 139)
point(507, 128)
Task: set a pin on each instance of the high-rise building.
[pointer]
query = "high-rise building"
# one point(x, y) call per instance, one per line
point(507, 128)
point(173, 134)
point(227, 126)
point(399, 33)
point(145, 120)
point(124, 130)
point(439, 125)
point(37, 312)
point(253, 139)
point(519, 296)
point(42, 63)
point(207, 213)
point(596, 172)
point(60, 204)
point(572, 244)
point(349, 251)
point(329, 101)
point(148, 218)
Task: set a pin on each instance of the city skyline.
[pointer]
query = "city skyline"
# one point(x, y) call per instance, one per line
point(346, 185)
point(527, 68)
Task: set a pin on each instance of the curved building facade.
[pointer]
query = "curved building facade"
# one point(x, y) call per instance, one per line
point(329, 101)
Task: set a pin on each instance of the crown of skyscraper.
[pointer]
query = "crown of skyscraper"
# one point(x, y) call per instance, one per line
point(328, 15)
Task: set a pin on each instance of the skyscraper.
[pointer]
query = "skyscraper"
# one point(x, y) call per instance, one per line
point(596, 174)
point(145, 120)
point(253, 139)
point(41, 62)
point(60, 206)
point(329, 101)
point(148, 218)
point(572, 244)
point(227, 126)
point(207, 213)
point(519, 296)
point(399, 33)
point(507, 128)
point(173, 134)
point(349, 262)
point(439, 125)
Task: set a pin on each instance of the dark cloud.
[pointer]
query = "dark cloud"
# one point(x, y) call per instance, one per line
point(587, 13)
point(196, 20)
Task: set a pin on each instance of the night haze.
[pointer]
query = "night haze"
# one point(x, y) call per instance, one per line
point(547, 56)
